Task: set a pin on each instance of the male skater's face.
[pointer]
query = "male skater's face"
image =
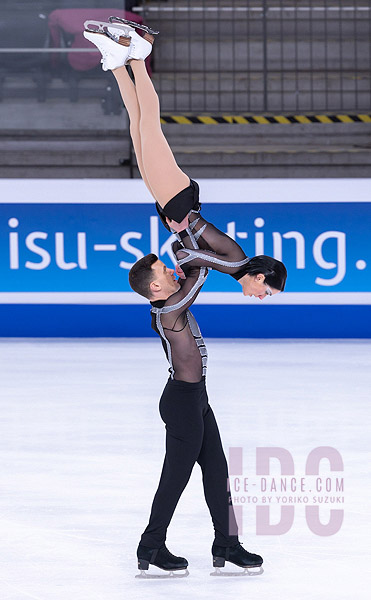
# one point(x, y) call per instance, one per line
point(165, 282)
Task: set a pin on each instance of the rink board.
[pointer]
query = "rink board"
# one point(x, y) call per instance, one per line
point(218, 321)
point(66, 248)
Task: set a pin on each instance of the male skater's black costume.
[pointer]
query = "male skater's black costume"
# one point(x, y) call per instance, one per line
point(191, 430)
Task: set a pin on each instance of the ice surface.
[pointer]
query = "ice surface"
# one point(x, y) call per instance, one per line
point(82, 446)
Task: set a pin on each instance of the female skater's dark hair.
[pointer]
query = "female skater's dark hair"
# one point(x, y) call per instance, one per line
point(141, 275)
point(274, 271)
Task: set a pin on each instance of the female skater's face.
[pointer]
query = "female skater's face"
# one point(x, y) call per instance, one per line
point(165, 283)
point(254, 285)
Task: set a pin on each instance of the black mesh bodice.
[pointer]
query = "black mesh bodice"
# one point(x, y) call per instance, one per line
point(200, 247)
point(180, 334)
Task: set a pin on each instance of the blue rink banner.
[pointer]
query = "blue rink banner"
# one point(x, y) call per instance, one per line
point(66, 248)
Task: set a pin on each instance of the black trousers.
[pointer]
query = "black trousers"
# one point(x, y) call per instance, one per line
point(192, 435)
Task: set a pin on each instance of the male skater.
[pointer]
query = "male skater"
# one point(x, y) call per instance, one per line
point(191, 431)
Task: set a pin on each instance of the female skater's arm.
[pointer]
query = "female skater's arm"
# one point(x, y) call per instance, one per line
point(224, 254)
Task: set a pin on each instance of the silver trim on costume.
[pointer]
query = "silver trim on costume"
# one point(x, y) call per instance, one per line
point(193, 325)
point(195, 330)
point(194, 254)
point(192, 238)
point(200, 281)
point(200, 231)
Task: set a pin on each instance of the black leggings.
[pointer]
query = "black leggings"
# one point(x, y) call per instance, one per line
point(191, 435)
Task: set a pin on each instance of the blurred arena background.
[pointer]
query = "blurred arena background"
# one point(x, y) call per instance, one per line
point(268, 88)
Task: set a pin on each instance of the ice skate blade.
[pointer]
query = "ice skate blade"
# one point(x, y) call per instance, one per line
point(102, 27)
point(169, 575)
point(115, 20)
point(247, 572)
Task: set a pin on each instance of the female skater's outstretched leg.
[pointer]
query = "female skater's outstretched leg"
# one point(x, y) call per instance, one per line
point(156, 162)
point(168, 184)
point(164, 176)
point(129, 97)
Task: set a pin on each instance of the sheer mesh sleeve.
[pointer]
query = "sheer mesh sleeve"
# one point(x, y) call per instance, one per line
point(224, 255)
point(185, 347)
point(179, 302)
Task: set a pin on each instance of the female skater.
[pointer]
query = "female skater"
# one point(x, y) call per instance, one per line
point(176, 195)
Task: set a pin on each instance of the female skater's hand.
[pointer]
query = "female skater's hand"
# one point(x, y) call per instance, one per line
point(178, 226)
point(179, 272)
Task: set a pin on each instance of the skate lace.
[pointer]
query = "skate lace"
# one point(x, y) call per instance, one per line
point(105, 55)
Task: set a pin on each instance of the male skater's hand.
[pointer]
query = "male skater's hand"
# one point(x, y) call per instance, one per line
point(179, 272)
point(177, 227)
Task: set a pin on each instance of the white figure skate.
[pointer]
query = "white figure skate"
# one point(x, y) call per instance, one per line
point(140, 46)
point(118, 43)
point(113, 43)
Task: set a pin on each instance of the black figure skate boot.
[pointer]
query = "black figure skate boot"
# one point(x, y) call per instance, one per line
point(238, 556)
point(161, 558)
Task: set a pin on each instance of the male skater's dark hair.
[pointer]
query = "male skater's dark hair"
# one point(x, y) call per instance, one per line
point(141, 275)
point(274, 270)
